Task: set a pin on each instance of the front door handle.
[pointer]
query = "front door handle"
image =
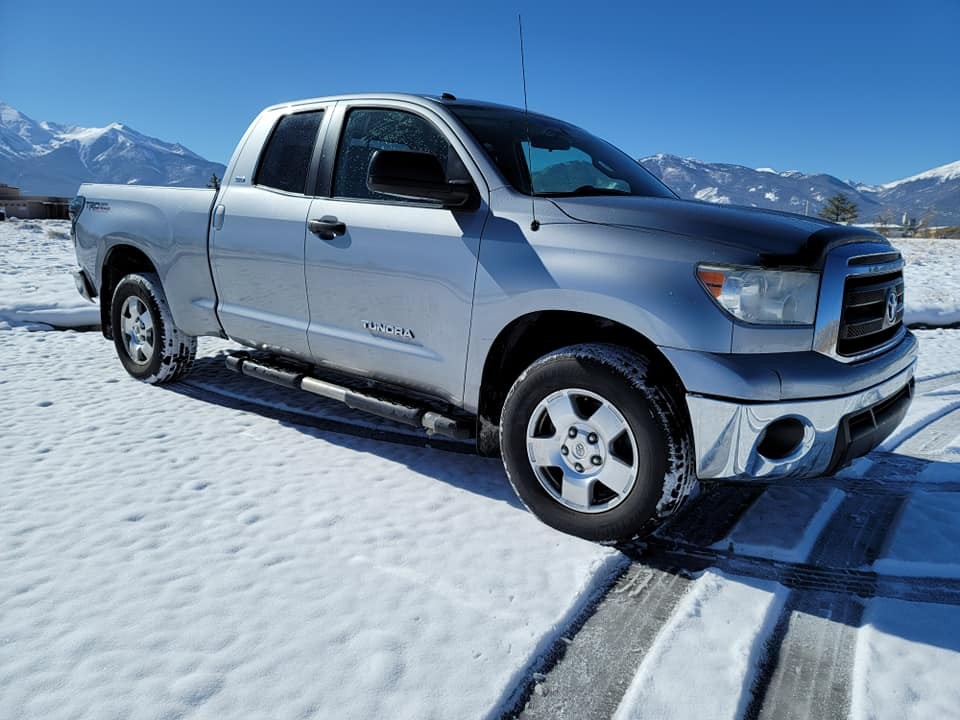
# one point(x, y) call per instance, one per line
point(327, 227)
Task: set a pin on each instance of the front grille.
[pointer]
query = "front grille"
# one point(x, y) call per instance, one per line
point(864, 322)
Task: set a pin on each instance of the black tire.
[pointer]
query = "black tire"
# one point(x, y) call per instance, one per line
point(172, 350)
point(664, 474)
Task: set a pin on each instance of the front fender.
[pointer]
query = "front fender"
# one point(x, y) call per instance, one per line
point(638, 279)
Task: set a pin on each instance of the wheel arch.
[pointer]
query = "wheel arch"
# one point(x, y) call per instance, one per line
point(533, 335)
point(120, 260)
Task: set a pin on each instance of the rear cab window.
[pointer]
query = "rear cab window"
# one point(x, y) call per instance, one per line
point(285, 163)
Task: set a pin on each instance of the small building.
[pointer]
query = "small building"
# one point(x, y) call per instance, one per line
point(31, 207)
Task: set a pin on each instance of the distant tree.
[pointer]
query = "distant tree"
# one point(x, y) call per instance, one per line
point(214, 182)
point(840, 209)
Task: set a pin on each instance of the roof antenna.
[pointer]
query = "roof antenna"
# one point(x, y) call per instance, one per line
point(534, 224)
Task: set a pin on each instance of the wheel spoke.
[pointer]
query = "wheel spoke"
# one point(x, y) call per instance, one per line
point(576, 491)
point(616, 475)
point(544, 452)
point(561, 412)
point(147, 321)
point(607, 423)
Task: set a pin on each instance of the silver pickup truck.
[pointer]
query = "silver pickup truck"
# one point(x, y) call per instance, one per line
point(506, 277)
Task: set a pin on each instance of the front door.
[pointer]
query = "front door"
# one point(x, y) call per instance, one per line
point(391, 296)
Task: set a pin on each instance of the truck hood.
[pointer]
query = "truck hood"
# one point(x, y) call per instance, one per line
point(774, 238)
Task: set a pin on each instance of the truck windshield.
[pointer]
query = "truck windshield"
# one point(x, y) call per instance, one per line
point(564, 161)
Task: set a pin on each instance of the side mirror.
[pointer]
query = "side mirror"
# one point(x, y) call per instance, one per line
point(415, 176)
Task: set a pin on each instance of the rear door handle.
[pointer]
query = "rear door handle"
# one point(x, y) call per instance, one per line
point(327, 227)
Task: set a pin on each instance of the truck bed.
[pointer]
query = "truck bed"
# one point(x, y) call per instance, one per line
point(167, 224)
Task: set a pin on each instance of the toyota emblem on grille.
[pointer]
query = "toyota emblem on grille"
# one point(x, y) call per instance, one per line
point(891, 314)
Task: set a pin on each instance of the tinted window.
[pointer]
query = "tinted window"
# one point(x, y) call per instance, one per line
point(560, 160)
point(369, 130)
point(286, 159)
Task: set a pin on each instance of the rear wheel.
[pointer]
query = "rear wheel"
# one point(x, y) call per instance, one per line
point(592, 446)
point(149, 345)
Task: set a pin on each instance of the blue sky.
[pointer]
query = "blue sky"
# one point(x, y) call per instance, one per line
point(863, 90)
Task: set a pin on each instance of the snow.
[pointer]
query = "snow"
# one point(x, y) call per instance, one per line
point(939, 355)
point(926, 541)
point(931, 280)
point(907, 662)
point(784, 523)
point(36, 288)
point(711, 194)
point(170, 556)
point(702, 663)
point(923, 411)
point(167, 556)
point(950, 171)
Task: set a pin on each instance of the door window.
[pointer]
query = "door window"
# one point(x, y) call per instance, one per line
point(370, 129)
point(286, 159)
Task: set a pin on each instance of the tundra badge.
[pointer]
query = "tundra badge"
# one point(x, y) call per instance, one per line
point(379, 328)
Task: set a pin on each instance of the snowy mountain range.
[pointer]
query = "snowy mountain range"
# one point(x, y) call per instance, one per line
point(45, 158)
point(933, 196)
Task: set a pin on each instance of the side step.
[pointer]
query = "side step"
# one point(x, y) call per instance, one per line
point(434, 423)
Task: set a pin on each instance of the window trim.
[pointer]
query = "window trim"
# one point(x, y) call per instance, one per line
point(309, 181)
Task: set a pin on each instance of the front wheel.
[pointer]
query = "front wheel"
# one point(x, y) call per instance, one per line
point(592, 446)
point(149, 345)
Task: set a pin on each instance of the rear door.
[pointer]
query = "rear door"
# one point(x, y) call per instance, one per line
point(391, 296)
point(258, 232)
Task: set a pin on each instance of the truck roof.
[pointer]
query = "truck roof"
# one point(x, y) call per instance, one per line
point(418, 98)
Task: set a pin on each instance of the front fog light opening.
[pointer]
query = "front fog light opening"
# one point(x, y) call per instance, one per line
point(781, 438)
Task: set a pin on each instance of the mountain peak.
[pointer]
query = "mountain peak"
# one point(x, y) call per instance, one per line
point(804, 193)
point(943, 173)
point(48, 158)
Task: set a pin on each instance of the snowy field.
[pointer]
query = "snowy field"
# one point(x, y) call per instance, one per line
point(214, 550)
point(932, 280)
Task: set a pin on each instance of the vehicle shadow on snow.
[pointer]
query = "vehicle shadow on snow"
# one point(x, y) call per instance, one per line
point(319, 418)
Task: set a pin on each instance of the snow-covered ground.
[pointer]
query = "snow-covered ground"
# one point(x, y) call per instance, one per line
point(168, 555)
point(932, 280)
point(163, 556)
point(36, 288)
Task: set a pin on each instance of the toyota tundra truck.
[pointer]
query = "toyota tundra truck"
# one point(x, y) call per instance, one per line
point(506, 278)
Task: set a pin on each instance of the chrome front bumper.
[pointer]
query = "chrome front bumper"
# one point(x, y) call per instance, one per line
point(729, 436)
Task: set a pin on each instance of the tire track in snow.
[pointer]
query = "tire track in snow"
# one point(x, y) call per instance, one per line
point(598, 664)
point(595, 668)
point(810, 656)
point(935, 382)
point(933, 439)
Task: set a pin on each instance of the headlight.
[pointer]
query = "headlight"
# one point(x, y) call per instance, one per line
point(764, 297)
